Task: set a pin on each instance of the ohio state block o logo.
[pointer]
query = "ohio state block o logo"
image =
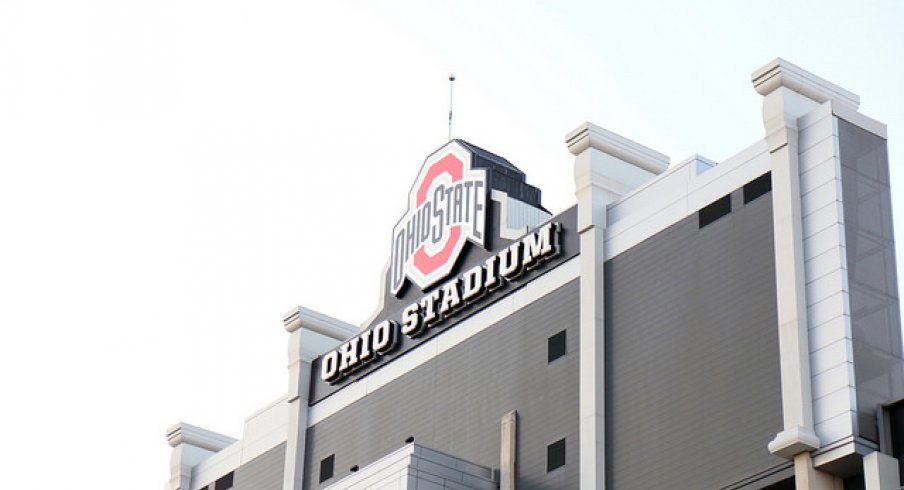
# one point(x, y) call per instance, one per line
point(446, 208)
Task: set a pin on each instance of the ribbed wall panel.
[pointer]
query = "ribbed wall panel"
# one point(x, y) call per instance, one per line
point(455, 402)
point(264, 472)
point(692, 364)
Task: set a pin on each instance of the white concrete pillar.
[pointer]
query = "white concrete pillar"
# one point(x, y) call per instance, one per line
point(789, 93)
point(191, 445)
point(782, 106)
point(880, 472)
point(606, 167)
point(311, 334)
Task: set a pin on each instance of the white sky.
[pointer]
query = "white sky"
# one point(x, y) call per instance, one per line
point(176, 174)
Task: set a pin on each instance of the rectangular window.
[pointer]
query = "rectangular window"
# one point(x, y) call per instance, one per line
point(224, 482)
point(714, 211)
point(757, 187)
point(555, 346)
point(326, 467)
point(555, 455)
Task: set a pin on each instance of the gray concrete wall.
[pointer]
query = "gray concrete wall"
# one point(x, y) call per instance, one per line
point(692, 364)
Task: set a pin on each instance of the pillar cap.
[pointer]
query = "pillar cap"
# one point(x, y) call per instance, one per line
point(193, 435)
point(301, 317)
point(782, 73)
point(589, 135)
point(793, 441)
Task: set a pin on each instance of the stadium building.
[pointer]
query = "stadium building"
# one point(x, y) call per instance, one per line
point(693, 325)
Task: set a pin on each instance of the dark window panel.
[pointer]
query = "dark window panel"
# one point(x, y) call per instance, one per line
point(224, 482)
point(326, 467)
point(555, 346)
point(757, 187)
point(714, 211)
point(555, 455)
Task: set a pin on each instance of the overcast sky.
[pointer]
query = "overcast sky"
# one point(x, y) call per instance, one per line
point(176, 174)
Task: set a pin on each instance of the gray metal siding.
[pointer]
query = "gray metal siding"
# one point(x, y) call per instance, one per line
point(692, 364)
point(264, 472)
point(872, 281)
point(455, 402)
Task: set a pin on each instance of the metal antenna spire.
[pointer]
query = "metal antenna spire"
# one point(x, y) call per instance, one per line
point(451, 84)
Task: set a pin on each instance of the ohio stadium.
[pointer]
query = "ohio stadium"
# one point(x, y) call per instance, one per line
point(684, 325)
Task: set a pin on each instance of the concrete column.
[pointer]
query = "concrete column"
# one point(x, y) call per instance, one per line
point(311, 334)
point(782, 106)
point(807, 477)
point(191, 445)
point(880, 472)
point(789, 93)
point(606, 167)
point(508, 449)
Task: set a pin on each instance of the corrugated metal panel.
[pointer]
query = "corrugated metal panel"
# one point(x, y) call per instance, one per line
point(264, 472)
point(692, 364)
point(455, 402)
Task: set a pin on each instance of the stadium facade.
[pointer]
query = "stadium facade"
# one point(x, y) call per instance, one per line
point(697, 325)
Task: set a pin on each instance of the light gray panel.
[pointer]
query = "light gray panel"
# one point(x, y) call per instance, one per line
point(875, 310)
point(692, 364)
point(264, 472)
point(455, 402)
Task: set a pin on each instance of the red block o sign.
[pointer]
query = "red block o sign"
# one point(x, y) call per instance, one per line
point(425, 262)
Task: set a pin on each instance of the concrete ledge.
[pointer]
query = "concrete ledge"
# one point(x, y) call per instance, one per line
point(589, 135)
point(842, 458)
point(183, 433)
point(781, 73)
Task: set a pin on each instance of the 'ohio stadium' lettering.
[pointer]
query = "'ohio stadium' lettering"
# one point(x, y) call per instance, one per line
point(432, 309)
